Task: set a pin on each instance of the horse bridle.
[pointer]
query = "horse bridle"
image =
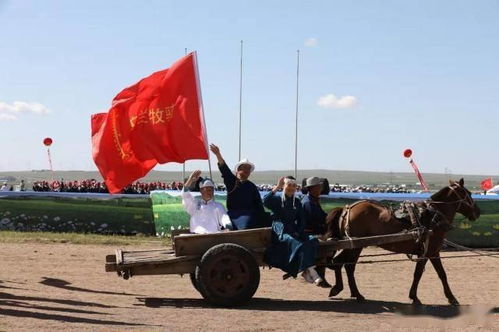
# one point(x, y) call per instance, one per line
point(467, 200)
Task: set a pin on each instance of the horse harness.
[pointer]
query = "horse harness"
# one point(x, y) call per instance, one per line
point(406, 210)
point(415, 212)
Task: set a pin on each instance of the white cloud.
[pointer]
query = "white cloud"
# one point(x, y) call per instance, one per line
point(24, 107)
point(7, 117)
point(331, 101)
point(311, 42)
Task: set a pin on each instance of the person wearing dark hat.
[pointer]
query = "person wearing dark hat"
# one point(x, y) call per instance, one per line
point(291, 249)
point(314, 215)
point(244, 203)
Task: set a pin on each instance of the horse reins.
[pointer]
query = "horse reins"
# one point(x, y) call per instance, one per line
point(467, 200)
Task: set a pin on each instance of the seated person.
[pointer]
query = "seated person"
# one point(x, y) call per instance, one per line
point(244, 203)
point(207, 216)
point(313, 214)
point(291, 249)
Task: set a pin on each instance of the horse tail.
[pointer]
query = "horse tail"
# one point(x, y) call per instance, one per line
point(333, 224)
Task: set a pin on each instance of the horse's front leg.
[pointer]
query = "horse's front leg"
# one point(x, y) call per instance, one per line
point(418, 272)
point(350, 269)
point(338, 262)
point(437, 264)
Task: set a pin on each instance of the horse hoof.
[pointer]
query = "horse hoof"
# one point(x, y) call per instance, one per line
point(416, 301)
point(323, 284)
point(335, 291)
point(360, 298)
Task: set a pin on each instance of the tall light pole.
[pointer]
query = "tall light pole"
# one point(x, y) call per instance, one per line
point(240, 98)
point(296, 115)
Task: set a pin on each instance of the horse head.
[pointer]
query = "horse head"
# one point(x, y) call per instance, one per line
point(457, 194)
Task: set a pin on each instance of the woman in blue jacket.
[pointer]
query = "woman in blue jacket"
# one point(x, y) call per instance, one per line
point(291, 249)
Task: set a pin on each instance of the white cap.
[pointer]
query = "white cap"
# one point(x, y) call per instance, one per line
point(206, 183)
point(242, 162)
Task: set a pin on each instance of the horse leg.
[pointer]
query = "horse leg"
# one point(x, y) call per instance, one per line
point(437, 264)
point(350, 269)
point(338, 262)
point(418, 272)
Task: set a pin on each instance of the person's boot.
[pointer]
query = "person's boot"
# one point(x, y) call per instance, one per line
point(306, 275)
point(317, 280)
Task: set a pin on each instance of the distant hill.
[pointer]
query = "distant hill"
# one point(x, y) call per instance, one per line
point(434, 180)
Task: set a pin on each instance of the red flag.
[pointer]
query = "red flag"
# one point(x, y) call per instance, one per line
point(486, 184)
point(419, 175)
point(157, 120)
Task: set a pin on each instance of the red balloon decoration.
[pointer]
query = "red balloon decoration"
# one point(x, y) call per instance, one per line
point(47, 141)
point(407, 153)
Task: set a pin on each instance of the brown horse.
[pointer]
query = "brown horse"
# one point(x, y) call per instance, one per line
point(366, 218)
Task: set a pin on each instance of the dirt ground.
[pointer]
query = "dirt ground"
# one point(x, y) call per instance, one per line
point(64, 286)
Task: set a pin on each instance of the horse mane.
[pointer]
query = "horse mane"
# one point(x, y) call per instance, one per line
point(440, 194)
point(333, 224)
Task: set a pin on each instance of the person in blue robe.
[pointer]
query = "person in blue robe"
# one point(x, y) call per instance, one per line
point(313, 214)
point(291, 250)
point(244, 203)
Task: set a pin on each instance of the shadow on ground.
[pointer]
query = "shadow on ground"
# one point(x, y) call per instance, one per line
point(340, 306)
point(60, 283)
point(2, 284)
point(27, 307)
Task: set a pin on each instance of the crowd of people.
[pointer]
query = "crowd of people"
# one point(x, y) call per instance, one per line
point(94, 186)
point(399, 189)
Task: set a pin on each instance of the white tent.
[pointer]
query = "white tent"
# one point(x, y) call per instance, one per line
point(494, 190)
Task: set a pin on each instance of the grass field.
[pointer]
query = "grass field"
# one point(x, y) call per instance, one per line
point(76, 238)
point(118, 216)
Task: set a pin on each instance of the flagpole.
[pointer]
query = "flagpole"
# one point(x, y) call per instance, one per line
point(296, 113)
point(200, 101)
point(240, 98)
point(183, 164)
point(50, 163)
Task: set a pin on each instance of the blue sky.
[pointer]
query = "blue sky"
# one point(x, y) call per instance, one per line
point(420, 74)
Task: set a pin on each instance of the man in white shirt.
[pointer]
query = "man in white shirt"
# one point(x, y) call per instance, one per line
point(5, 187)
point(207, 216)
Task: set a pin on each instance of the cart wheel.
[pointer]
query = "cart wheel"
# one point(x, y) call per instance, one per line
point(227, 275)
point(193, 281)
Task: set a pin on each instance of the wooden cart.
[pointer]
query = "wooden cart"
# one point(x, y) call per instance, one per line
point(224, 267)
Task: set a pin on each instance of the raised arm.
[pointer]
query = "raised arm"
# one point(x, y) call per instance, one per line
point(192, 178)
point(268, 198)
point(189, 203)
point(227, 175)
point(216, 151)
point(279, 185)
